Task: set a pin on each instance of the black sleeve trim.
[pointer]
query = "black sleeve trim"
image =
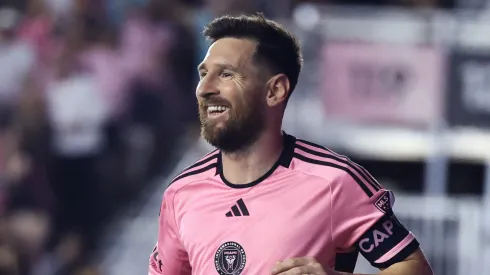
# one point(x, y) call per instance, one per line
point(400, 256)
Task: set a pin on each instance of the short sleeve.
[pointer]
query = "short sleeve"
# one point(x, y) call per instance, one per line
point(168, 256)
point(363, 219)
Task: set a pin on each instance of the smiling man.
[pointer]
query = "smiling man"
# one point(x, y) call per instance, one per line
point(266, 202)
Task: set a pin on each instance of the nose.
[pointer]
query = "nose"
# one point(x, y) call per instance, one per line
point(206, 88)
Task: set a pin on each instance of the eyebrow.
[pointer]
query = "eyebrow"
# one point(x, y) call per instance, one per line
point(202, 66)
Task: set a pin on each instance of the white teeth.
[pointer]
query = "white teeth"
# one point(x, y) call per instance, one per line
point(217, 108)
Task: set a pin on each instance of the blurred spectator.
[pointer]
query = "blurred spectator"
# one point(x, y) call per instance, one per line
point(101, 59)
point(16, 58)
point(157, 54)
point(78, 142)
point(23, 186)
point(28, 154)
point(37, 27)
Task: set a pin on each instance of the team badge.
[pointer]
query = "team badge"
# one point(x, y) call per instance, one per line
point(230, 259)
point(385, 202)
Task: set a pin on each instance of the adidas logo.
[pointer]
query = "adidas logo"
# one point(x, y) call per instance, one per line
point(235, 209)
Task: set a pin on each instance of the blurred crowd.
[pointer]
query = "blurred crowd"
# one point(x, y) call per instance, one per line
point(94, 97)
point(91, 106)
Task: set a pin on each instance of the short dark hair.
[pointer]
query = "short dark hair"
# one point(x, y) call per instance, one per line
point(276, 46)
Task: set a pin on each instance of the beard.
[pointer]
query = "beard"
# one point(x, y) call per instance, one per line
point(244, 125)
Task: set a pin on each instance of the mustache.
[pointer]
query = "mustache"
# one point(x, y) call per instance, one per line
point(214, 101)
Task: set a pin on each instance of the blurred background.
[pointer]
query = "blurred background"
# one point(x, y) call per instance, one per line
point(97, 111)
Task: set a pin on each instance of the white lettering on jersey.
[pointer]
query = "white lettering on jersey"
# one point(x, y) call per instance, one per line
point(368, 244)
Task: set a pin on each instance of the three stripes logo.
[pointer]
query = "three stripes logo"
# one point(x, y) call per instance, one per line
point(239, 209)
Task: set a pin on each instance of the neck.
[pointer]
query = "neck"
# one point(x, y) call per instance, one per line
point(249, 165)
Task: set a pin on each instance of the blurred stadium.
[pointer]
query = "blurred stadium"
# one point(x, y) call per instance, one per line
point(97, 111)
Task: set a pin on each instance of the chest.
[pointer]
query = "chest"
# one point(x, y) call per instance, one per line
point(259, 228)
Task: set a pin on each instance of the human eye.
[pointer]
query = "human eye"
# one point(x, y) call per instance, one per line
point(202, 74)
point(226, 74)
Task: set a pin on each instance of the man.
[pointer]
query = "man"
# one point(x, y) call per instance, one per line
point(266, 202)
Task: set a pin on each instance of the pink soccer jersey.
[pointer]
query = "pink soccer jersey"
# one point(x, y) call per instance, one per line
point(312, 202)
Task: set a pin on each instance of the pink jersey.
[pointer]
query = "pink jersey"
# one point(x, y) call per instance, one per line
point(312, 202)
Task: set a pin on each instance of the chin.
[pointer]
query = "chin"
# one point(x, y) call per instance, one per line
point(213, 133)
point(214, 126)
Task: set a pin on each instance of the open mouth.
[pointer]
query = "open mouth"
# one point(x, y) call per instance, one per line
point(216, 110)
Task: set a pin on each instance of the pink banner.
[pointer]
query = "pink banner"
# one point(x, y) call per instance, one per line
point(381, 83)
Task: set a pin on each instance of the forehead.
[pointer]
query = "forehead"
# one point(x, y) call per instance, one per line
point(232, 51)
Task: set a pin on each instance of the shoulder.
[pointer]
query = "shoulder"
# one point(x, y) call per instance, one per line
point(320, 161)
point(335, 168)
point(201, 169)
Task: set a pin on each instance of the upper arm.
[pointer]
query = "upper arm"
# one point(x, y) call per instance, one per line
point(415, 264)
point(169, 256)
point(365, 220)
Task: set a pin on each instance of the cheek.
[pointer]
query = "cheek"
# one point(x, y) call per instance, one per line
point(239, 84)
point(231, 92)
